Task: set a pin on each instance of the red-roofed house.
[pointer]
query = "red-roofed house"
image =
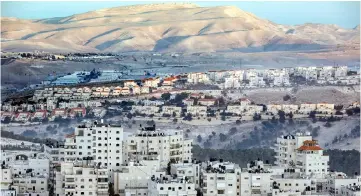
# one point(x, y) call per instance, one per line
point(40, 114)
point(58, 113)
point(77, 111)
point(245, 101)
point(22, 116)
point(6, 114)
point(169, 81)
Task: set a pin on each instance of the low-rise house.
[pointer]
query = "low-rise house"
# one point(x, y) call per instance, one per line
point(148, 110)
point(197, 95)
point(197, 110)
point(151, 82)
point(245, 101)
point(188, 102)
point(125, 91)
point(6, 115)
point(169, 110)
point(99, 112)
point(40, 114)
point(144, 90)
point(22, 116)
point(274, 108)
point(130, 83)
point(325, 108)
point(116, 91)
point(250, 110)
point(307, 108)
point(288, 108)
point(207, 102)
point(59, 113)
point(197, 77)
point(169, 81)
point(235, 109)
point(77, 112)
point(136, 90)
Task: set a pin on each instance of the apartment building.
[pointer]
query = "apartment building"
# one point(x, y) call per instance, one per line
point(197, 77)
point(286, 147)
point(340, 71)
point(133, 177)
point(232, 82)
point(187, 170)
point(150, 143)
point(326, 73)
point(207, 102)
point(82, 178)
point(221, 178)
point(151, 82)
point(170, 186)
point(336, 180)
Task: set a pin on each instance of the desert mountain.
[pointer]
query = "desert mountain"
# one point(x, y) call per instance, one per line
point(169, 27)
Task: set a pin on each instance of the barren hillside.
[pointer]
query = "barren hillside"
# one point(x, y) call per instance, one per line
point(169, 27)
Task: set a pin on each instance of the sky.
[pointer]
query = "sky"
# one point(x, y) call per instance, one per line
point(342, 13)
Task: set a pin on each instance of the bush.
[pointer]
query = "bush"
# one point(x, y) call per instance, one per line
point(209, 119)
point(286, 98)
point(222, 137)
point(232, 131)
point(238, 122)
point(199, 138)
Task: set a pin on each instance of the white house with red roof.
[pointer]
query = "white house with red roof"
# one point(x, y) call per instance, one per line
point(59, 113)
point(22, 116)
point(77, 111)
point(151, 82)
point(6, 114)
point(40, 114)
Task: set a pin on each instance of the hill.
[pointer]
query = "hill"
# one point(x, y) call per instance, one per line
point(171, 27)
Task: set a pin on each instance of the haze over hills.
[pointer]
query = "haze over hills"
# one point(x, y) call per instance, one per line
point(171, 27)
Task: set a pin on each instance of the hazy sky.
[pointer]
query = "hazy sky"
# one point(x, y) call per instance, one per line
point(345, 14)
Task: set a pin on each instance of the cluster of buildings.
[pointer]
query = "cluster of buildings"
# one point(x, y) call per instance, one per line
point(159, 162)
point(251, 78)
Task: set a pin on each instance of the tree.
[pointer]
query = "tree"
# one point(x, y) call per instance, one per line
point(174, 114)
point(188, 117)
point(166, 96)
point(188, 130)
point(175, 120)
point(286, 97)
point(256, 117)
point(199, 138)
point(312, 114)
point(222, 137)
point(281, 114)
point(223, 118)
point(213, 133)
point(150, 122)
point(238, 122)
point(232, 131)
point(6, 120)
point(349, 112)
point(328, 124)
point(129, 116)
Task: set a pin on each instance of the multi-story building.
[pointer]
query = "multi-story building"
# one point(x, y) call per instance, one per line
point(207, 102)
point(336, 180)
point(152, 144)
point(307, 108)
point(232, 82)
point(274, 108)
point(189, 170)
point(197, 77)
point(82, 178)
point(286, 148)
point(325, 108)
point(170, 186)
point(221, 178)
point(340, 71)
point(288, 108)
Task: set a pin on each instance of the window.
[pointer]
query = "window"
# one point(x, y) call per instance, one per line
point(80, 147)
point(82, 186)
point(80, 153)
point(99, 138)
point(220, 191)
point(90, 180)
point(117, 138)
point(89, 147)
point(117, 164)
point(81, 193)
point(161, 188)
point(117, 145)
point(117, 151)
point(229, 184)
point(220, 178)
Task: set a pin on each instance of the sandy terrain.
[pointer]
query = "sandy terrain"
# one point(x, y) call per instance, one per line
point(172, 27)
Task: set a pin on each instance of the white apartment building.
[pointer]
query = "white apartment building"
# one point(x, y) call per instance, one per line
point(221, 178)
point(286, 148)
point(281, 80)
point(253, 109)
point(235, 109)
point(340, 71)
point(169, 110)
point(197, 77)
point(350, 190)
point(101, 142)
point(81, 178)
point(256, 81)
point(336, 180)
point(148, 110)
point(232, 82)
point(190, 171)
point(133, 177)
point(197, 110)
point(311, 160)
point(218, 76)
point(170, 186)
point(326, 73)
point(154, 144)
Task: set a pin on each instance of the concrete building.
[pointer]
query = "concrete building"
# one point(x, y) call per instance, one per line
point(197, 110)
point(221, 178)
point(154, 144)
point(170, 110)
point(82, 178)
point(170, 186)
point(148, 110)
point(307, 108)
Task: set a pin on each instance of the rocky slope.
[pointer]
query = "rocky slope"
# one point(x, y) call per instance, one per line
point(170, 27)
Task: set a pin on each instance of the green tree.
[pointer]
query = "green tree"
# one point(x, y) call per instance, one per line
point(166, 96)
